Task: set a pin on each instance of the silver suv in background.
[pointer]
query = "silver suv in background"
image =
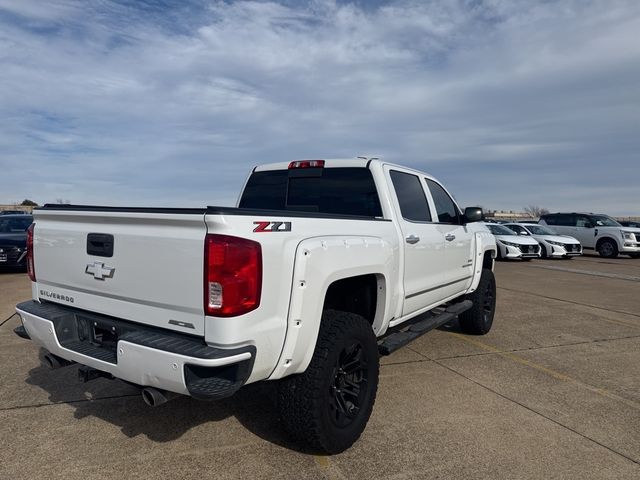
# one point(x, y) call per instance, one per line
point(596, 232)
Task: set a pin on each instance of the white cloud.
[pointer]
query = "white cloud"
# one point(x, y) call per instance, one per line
point(510, 103)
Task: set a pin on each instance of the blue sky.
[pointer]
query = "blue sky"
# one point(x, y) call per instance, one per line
point(155, 103)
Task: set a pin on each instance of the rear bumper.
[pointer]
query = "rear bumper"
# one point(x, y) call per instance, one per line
point(144, 356)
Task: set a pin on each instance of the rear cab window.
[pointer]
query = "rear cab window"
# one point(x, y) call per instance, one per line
point(338, 190)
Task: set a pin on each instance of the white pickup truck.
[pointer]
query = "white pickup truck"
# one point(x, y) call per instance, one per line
point(323, 266)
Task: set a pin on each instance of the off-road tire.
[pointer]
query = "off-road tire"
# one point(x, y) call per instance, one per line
point(479, 318)
point(307, 401)
point(607, 248)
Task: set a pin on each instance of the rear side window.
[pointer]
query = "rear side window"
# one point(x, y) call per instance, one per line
point(340, 191)
point(567, 220)
point(446, 208)
point(411, 197)
point(562, 219)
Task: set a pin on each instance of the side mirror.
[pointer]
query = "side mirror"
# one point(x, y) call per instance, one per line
point(472, 214)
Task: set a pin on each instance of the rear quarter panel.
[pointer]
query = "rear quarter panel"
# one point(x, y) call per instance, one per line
point(321, 261)
point(364, 246)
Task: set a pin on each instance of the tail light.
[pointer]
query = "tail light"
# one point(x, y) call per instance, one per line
point(232, 275)
point(306, 164)
point(31, 269)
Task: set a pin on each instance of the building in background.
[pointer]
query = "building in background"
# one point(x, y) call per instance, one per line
point(15, 208)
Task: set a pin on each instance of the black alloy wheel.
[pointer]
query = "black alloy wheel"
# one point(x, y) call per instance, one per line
point(608, 249)
point(348, 387)
point(328, 405)
point(479, 318)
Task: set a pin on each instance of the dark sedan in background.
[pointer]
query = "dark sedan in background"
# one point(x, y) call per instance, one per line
point(13, 240)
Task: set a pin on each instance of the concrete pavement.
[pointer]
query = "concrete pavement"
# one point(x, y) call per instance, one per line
point(553, 391)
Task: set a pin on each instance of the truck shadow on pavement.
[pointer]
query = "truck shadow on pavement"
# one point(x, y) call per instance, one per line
point(121, 404)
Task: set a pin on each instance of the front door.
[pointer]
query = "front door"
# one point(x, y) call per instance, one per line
point(458, 245)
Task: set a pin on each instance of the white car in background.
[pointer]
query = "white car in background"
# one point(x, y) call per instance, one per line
point(552, 245)
point(511, 245)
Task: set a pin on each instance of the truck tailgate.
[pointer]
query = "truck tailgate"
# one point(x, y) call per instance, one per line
point(153, 276)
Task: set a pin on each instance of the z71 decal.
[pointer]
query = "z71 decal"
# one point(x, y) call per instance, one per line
point(272, 227)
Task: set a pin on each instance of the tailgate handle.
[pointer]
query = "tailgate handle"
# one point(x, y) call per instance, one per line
point(100, 244)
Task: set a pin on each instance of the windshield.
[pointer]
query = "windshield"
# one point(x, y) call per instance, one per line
point(14, 225)
point(499, 229)
point(603, 221)
point(540, 230)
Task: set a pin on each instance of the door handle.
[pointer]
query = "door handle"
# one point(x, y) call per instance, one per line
point(450, 237)
point(412, 239)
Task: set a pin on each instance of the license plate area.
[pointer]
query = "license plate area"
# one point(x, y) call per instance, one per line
point(104, 336)
point(100, 333)
point(95, 337)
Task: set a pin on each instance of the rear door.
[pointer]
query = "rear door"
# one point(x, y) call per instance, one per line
point(584, 231)
point(138, 266)
point(458, 272)
point(424, 259)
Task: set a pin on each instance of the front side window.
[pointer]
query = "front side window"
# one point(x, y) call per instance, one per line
point(445, 206)
point(411, 197)
point(603, 221)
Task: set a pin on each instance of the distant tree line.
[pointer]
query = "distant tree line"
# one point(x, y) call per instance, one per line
point(535, 211)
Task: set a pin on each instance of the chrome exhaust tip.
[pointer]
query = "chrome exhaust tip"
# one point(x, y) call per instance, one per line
point(54, 362)
point(154, 397)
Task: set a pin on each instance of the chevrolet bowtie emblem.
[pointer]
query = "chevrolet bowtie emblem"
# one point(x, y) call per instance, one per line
point(99, 271)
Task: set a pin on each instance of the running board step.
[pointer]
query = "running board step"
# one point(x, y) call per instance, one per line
point(396, 340)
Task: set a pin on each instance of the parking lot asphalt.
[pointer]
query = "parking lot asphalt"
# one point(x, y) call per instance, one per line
point(553, 391)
